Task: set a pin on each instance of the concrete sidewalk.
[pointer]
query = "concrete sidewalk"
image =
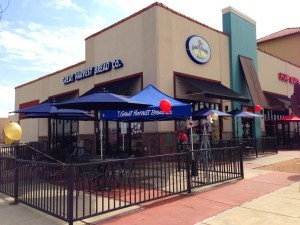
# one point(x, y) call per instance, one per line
point(263, 197)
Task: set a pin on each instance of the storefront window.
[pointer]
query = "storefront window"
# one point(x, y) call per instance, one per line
point(112, 141)
point(273, 128)
point(136, 138)
point(124, 138)
point(64, 133)
point(201, 105)
point(196, 107)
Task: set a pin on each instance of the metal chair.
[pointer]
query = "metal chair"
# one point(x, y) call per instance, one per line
point(124, 172)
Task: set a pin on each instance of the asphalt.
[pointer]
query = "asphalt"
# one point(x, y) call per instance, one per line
point(264, 197)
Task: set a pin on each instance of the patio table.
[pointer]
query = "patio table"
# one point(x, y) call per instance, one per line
point(105, 174)
point(113, 172)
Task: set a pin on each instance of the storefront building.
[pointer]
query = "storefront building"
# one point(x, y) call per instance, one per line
point(181, 57)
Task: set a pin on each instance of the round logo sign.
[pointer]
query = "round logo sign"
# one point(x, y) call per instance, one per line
point(198, 49)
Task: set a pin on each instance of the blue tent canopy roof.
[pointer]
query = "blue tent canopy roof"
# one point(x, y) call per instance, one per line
point(61, 116)
point(152, 96)
point(48, 108)
point(206, 111)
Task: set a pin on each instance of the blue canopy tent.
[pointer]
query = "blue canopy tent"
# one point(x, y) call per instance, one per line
point(240, 113)
point(103, 100)
point(61, 116)
point(206, 111)
point(152, 96)
point(48, 108)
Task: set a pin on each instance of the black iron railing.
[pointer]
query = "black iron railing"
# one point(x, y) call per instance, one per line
point(7, 175)
point(250, 146)
point(29, 151)
point(72, 192)
point(211, 166)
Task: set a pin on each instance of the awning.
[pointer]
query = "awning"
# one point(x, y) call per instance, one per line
point(127, 86)
point(289, 118)
point(211, 89)
point(255, 89)
point(277, 101)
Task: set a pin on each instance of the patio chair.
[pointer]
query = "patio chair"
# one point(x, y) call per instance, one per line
point(248, 146)
point(86, 173)
point(124, 172)
point(80, 156)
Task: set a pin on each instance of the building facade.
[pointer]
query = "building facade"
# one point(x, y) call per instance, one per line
point(181, 57)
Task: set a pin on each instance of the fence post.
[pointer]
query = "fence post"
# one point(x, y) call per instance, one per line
point(70, 193)
point(188, 173)
point(241, 161)
point(276, 145)
point(256, 146)
point(16, 182)
point(17, 151)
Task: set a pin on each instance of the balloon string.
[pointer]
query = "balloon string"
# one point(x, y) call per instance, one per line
point(44, 154)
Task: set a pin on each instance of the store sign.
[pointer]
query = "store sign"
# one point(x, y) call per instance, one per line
point(198, 49)
point(288, 79)
point(96, 70)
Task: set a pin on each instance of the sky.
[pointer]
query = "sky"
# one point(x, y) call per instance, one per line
point(39, 37)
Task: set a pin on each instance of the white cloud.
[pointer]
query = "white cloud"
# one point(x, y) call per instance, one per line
point(7, 98)
point(45, 48)
point(64, 4)
point(33, 50)
point(125, 6)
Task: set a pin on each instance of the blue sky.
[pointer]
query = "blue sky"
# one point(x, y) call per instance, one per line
point(38, 37)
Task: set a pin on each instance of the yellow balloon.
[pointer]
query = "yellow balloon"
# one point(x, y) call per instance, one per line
point(13, 131)
point(215, 116)
point(8, 141)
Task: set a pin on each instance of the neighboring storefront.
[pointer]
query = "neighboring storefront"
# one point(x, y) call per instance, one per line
point(3, 122)
point(182, 58)
point(278, 86)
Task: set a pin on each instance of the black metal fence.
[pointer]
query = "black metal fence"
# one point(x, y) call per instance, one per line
point(250, 146)
point(29, 151)
point(289, 140)
point(73, 192)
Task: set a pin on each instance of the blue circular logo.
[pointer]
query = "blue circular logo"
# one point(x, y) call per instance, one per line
point(198, 49)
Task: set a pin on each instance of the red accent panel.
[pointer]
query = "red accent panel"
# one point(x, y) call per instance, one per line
point(26, 105)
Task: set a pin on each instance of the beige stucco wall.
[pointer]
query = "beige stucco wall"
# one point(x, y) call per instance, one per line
point(57, 87)
point(41, 89)
point(37, 90)
point(173, 31)
point(286, 48)
point(133, 41)
point(30, 130)
point(268, 69)
point(45, 87)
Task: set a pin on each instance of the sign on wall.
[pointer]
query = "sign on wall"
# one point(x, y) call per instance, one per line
point(96, 70)
point(289, 79)
point(198, 49)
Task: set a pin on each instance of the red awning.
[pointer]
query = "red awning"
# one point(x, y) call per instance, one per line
point(290, 118)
